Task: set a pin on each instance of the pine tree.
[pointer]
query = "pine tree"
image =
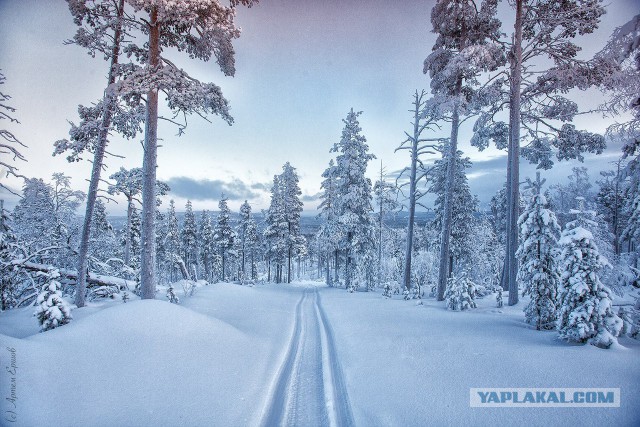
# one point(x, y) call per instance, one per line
point(172, 239)
point(102, 240)
point(463, 49)
point(189, 237)
point(223, 235)
point(203, 29)
point(538, 271)
point(245, 218)
point(330, 232)
point(586, 311)
point(543, 66)
point(292, 209)
point(276, 230)
point(353, 204)
point(8, 241)
point(463, 209)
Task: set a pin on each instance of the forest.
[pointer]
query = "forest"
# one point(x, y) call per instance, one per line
point(564, 254)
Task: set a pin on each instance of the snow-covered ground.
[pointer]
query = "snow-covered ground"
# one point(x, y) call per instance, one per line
point(296, 355)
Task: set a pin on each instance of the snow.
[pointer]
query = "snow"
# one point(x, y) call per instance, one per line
point(226, 354)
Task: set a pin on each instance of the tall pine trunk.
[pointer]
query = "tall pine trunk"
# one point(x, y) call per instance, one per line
point(514, 158)
point(149, 165)
point(445, 240)
point(98, 159)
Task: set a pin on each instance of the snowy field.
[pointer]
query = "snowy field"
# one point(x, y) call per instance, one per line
point(296, 355)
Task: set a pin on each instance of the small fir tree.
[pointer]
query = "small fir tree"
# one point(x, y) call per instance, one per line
point(52, 310)
point(538, 272)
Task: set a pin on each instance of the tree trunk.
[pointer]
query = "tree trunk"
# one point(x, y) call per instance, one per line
point(127, 242)
point(514, 157)
point(98, 159)
point(406, 278)
point(149, 165)
point(443, 274)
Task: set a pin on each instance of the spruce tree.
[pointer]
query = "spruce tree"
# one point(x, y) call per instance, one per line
point(538, 272)
point(354, 201)
point(206, 243)
point(586, 311)
point(223, 235)
point(189, 237)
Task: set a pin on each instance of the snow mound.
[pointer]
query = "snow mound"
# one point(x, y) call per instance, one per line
point(140, 363)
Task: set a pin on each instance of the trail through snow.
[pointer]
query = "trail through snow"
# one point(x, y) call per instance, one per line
point(309, 387)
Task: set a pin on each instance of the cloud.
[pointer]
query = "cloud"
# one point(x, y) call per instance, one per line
point(206, 189)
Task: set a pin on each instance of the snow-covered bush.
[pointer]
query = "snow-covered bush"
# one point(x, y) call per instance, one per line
point(52, 310)
point(499, 296)
point(460, 293)
point(586, 312)
point(538, 271)
point(125, 297)
point(171, 296)
point(387, 290)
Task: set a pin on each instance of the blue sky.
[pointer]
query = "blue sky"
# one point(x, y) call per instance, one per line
point(301, 65)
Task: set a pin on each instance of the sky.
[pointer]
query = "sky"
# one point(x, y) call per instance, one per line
point(301, 65)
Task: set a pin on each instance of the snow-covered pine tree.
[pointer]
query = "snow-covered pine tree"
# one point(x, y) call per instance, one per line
point(538, 273)
point(245, 218)
point(275, 232)
point(331, 232)
point(128, 182)
point(189, 237)
point(223, 235)
point(252, 245)
point(463, 49)
point(586, 311)
point(52, 310)
point(292, 209)
point(353, 204)
point(103, 242)
point(204, 29)
point(172, 240)
point(102, 28)
point(463, 208)
point(8, 282)
point(609, 202)
point(543, 67)
point(206, 244)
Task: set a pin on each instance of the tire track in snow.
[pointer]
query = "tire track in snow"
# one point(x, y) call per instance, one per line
point(309, 389)
point(275, 410)
point(337, 398)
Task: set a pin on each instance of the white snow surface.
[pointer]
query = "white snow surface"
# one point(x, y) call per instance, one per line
point(237, 355)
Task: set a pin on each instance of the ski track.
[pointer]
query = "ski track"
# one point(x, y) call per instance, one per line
point(309, 388)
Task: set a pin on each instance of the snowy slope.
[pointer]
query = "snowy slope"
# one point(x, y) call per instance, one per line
point(413, 365)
